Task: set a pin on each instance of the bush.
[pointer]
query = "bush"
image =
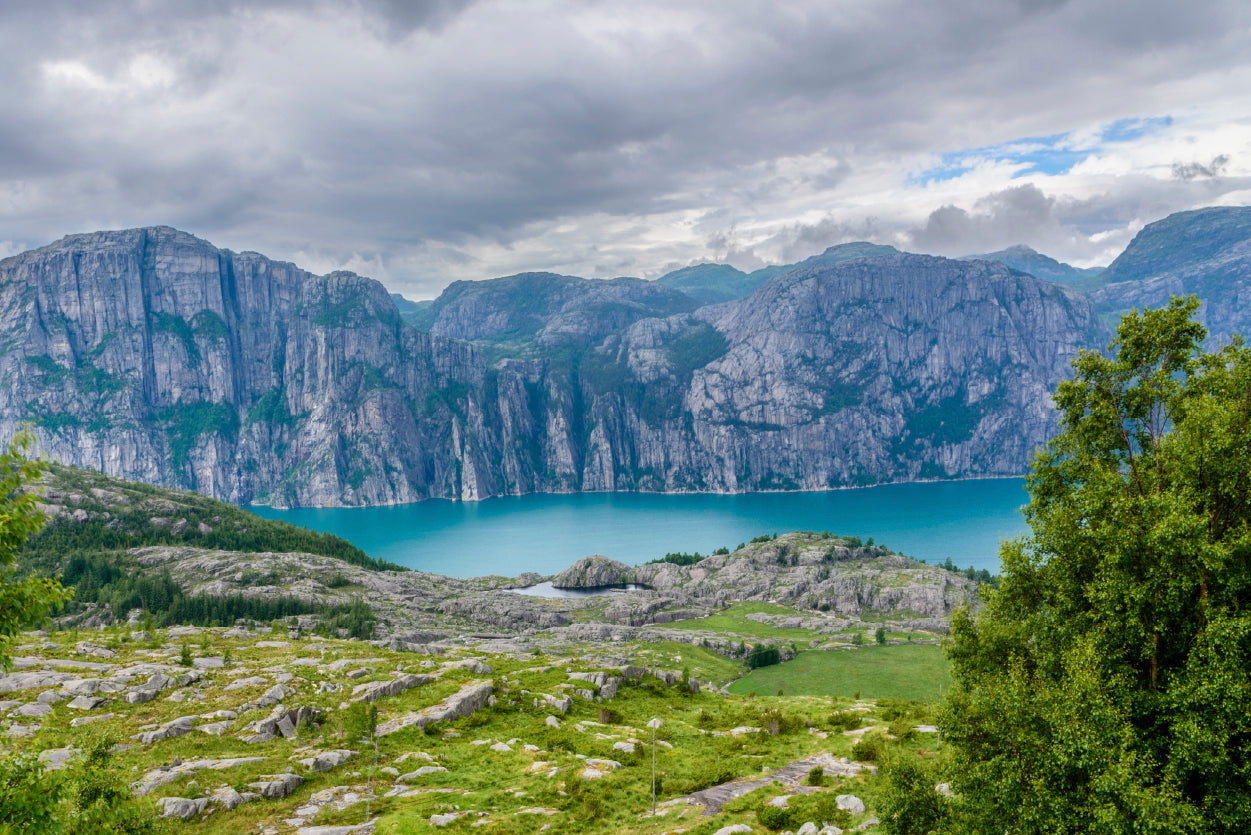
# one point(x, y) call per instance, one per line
point(28, 793)
point(909, 803)
point(820, 808)
point(845, 720)
point(870, 749)
point(816, 777)
point(774, 817)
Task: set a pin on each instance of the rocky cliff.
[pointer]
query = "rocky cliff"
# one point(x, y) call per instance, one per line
point(152, 354)
point(1206, 252)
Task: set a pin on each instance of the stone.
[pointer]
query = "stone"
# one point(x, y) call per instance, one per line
point(624, 747)
point(733, 829)
point(552, 722)
point(421, 772)
point(226, 798)
point(850, 803)
point(87, 702)
point(173, 728)
point(501, 748)
point(375, 690)
point(444, 819)
point(57, 758)
point(36, 709)
point(138, 697)
point(466, 701)
point(78, 722)
point(808, 828)
point(277, 786)
point(215, 728)
point(327, 760)
point(182, 807)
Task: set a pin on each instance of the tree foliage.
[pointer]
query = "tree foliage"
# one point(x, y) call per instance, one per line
point(28, 600)
point(1104, 687)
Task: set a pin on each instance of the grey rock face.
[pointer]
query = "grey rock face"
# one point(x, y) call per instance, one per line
point(1206, 252)
point(592, 572)
point(152, 354)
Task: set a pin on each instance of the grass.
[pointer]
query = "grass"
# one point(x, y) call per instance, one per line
point(734, 619)
point(498, 789)
point(901, 671)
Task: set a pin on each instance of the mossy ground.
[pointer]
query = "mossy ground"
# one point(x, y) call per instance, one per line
point(500, 791)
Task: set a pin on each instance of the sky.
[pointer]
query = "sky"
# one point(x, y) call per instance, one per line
point(425, 142)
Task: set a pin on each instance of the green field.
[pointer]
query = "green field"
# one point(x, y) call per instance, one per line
point(902, 671)
point(734, 619)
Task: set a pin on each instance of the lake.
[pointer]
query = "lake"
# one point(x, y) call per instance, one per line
point(963, 520)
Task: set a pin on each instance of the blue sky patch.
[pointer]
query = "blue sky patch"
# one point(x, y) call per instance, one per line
point(1054, 154)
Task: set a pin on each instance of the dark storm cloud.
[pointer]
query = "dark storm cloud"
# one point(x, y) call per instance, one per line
point(409, 131)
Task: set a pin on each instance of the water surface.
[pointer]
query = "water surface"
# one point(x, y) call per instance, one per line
point(963, 520)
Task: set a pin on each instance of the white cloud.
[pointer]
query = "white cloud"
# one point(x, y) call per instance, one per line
point(422, 143)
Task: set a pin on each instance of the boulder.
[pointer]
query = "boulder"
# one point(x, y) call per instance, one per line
point(182, 807)
point(375, 690)
point(277, 786)
point(850, 803)
point(591, 572)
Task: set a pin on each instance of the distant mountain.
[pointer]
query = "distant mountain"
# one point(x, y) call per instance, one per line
point(411, 311)
point(546, 309)
point(1206, 252)
point(716, 283)
point(150, 353)
point(1031, 261)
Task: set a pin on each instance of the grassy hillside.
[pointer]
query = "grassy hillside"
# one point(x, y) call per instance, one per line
point(511, 766)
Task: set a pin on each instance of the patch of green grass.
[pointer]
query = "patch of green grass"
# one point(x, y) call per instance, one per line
point(734, 619)
point(904, 671)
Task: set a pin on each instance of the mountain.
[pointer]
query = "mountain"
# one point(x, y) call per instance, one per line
point(547, 310)
point(716, 283)
point(410, 311)
point(1031, 261)
point(151, 354)
point(1206, 252)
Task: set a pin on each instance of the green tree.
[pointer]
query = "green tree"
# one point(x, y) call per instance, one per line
point(27, 601)
point(1104, 685)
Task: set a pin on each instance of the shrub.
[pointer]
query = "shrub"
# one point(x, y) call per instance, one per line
point(870, 749)
point(845, 720)
point(184, 657)
point(816, 777)
point(774, 817)
point(909, 803)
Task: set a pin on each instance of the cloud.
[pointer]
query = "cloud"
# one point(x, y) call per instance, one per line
point(997, 220)
point(1191, 170)
point(449, 139)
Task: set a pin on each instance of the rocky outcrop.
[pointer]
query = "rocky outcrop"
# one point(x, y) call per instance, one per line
point(1206, 252)
point(152, 354)
point(592, 572)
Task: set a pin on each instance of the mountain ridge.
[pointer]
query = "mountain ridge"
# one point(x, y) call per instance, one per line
point(152, 354)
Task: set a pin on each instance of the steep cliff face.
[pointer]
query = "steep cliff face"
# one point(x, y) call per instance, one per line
point(1206, 252)
point(887, 368)
point(151, 354)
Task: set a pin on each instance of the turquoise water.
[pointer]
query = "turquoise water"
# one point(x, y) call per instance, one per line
point(963, 520)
